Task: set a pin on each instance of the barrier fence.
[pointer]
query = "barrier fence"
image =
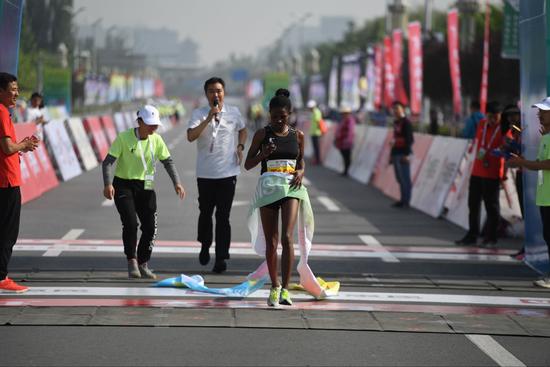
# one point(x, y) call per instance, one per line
point(71, 145)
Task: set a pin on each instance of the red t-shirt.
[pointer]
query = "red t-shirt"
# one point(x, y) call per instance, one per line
point(10, 169)
point(487, 164)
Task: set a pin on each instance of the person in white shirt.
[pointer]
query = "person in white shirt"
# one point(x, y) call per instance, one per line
point(36, 114)
point(220, 133)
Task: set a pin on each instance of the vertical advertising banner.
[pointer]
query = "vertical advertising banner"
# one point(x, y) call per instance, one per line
point(370, 76)
point(333, 85)
point(389, 82)
point(510, 30)
point(415, 67)
point(317, 89)
point(454, 60)
point(485, 67)
point(378, 77)
point(533, 74)
point(11, 14)
point(397, 52)
point(349, 81)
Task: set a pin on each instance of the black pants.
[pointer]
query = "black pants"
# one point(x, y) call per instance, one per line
point(346, 155)
point(545, 217)
point(132, 202)
point(216, 193)
point(10, 213)
point(316, 151)
point(488, 191)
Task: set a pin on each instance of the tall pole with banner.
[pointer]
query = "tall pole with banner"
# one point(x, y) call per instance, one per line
point(454, 59)
point(533, 51)
point(415, 67)
point(485, 67)
point(11, 15)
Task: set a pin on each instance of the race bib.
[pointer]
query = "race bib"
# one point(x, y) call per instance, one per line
point(281, 165)
point(149, 182)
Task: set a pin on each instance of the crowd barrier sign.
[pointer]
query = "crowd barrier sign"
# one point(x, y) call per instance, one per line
point(30, 169)
point(61, 149)
point(108, 128)
point(120, 122)
point(97, 137)
point(437, 174)
point(380, 177)
point(364, 160)
point(327, 140)
point(81, 143)
point(334, 160)
point(456, 204)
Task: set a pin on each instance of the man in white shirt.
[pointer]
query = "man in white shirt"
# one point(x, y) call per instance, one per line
point(220, 133)
point(36, 114)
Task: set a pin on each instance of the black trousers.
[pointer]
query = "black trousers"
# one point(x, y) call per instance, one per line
point(10, 213)
point(316, 149)
point(346, 155)
point(545, 217)
point(132, 202)
point(216, 193)
point(484, 190)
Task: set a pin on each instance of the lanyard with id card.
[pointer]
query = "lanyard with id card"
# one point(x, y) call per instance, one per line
point(149, 183)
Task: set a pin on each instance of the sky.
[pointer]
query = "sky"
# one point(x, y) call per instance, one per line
point(222, 27)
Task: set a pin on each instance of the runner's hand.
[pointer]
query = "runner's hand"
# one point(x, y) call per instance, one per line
point(109, 192)
point(180, 191)
point(297, 180)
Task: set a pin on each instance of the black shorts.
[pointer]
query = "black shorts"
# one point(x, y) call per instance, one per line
point(277, 204)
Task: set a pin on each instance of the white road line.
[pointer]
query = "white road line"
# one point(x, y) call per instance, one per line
point(328, 203)
point(391, 297)
point(57, 248)
point(108, 202)
point(493, 349)
point(373, 243)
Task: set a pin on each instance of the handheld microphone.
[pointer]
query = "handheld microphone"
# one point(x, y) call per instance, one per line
point(216, 104)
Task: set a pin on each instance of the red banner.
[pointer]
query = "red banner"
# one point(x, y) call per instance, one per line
point(108, 127)
point(454, 60)
point(397, 52)
point(97, 136)
point(378, 81)
point(485, 67)
point(389, 82)
point(415, 67)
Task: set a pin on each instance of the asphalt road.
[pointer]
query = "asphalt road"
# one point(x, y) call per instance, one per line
point(408, 295)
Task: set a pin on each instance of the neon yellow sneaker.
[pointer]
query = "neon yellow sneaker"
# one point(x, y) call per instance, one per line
point(274, 294)
point(284, 298)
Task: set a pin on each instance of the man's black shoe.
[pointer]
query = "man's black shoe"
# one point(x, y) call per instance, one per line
point(204, 256)
point(398, 204)
point(219, 267)
point(466, 240)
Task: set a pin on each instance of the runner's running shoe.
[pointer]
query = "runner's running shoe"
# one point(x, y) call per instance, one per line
point(284, 299)
point(274, 295)
point(9, 285)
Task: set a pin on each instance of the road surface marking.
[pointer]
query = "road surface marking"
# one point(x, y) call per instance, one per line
point(328, 203)
point(495, 351)
point(373, 243)
point(343, 296)
point(57, 248)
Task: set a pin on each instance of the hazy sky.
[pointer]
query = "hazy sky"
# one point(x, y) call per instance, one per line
point(224, 26)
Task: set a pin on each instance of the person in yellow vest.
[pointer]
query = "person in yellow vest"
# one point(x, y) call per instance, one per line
point(315, 129)
point(135, 151)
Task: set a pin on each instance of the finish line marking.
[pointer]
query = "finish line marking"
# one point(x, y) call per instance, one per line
point(495, 351)
point(182, 293)
point(373, 243)
point(57, 248)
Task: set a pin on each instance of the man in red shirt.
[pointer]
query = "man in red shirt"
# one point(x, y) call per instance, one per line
point(487, 174)
point(10, 179)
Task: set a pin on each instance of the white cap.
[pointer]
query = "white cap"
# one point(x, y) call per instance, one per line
point(311, 103)
point(150, 115)
point(543, 105)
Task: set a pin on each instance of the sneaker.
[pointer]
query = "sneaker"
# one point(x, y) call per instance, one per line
point(467, 240)
point(9, 285)
point(219, 267)
point(274, 295)
point(284, 299)
point(544, 283)
point(133, 270)
point(204, 256)
point(146, 272)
